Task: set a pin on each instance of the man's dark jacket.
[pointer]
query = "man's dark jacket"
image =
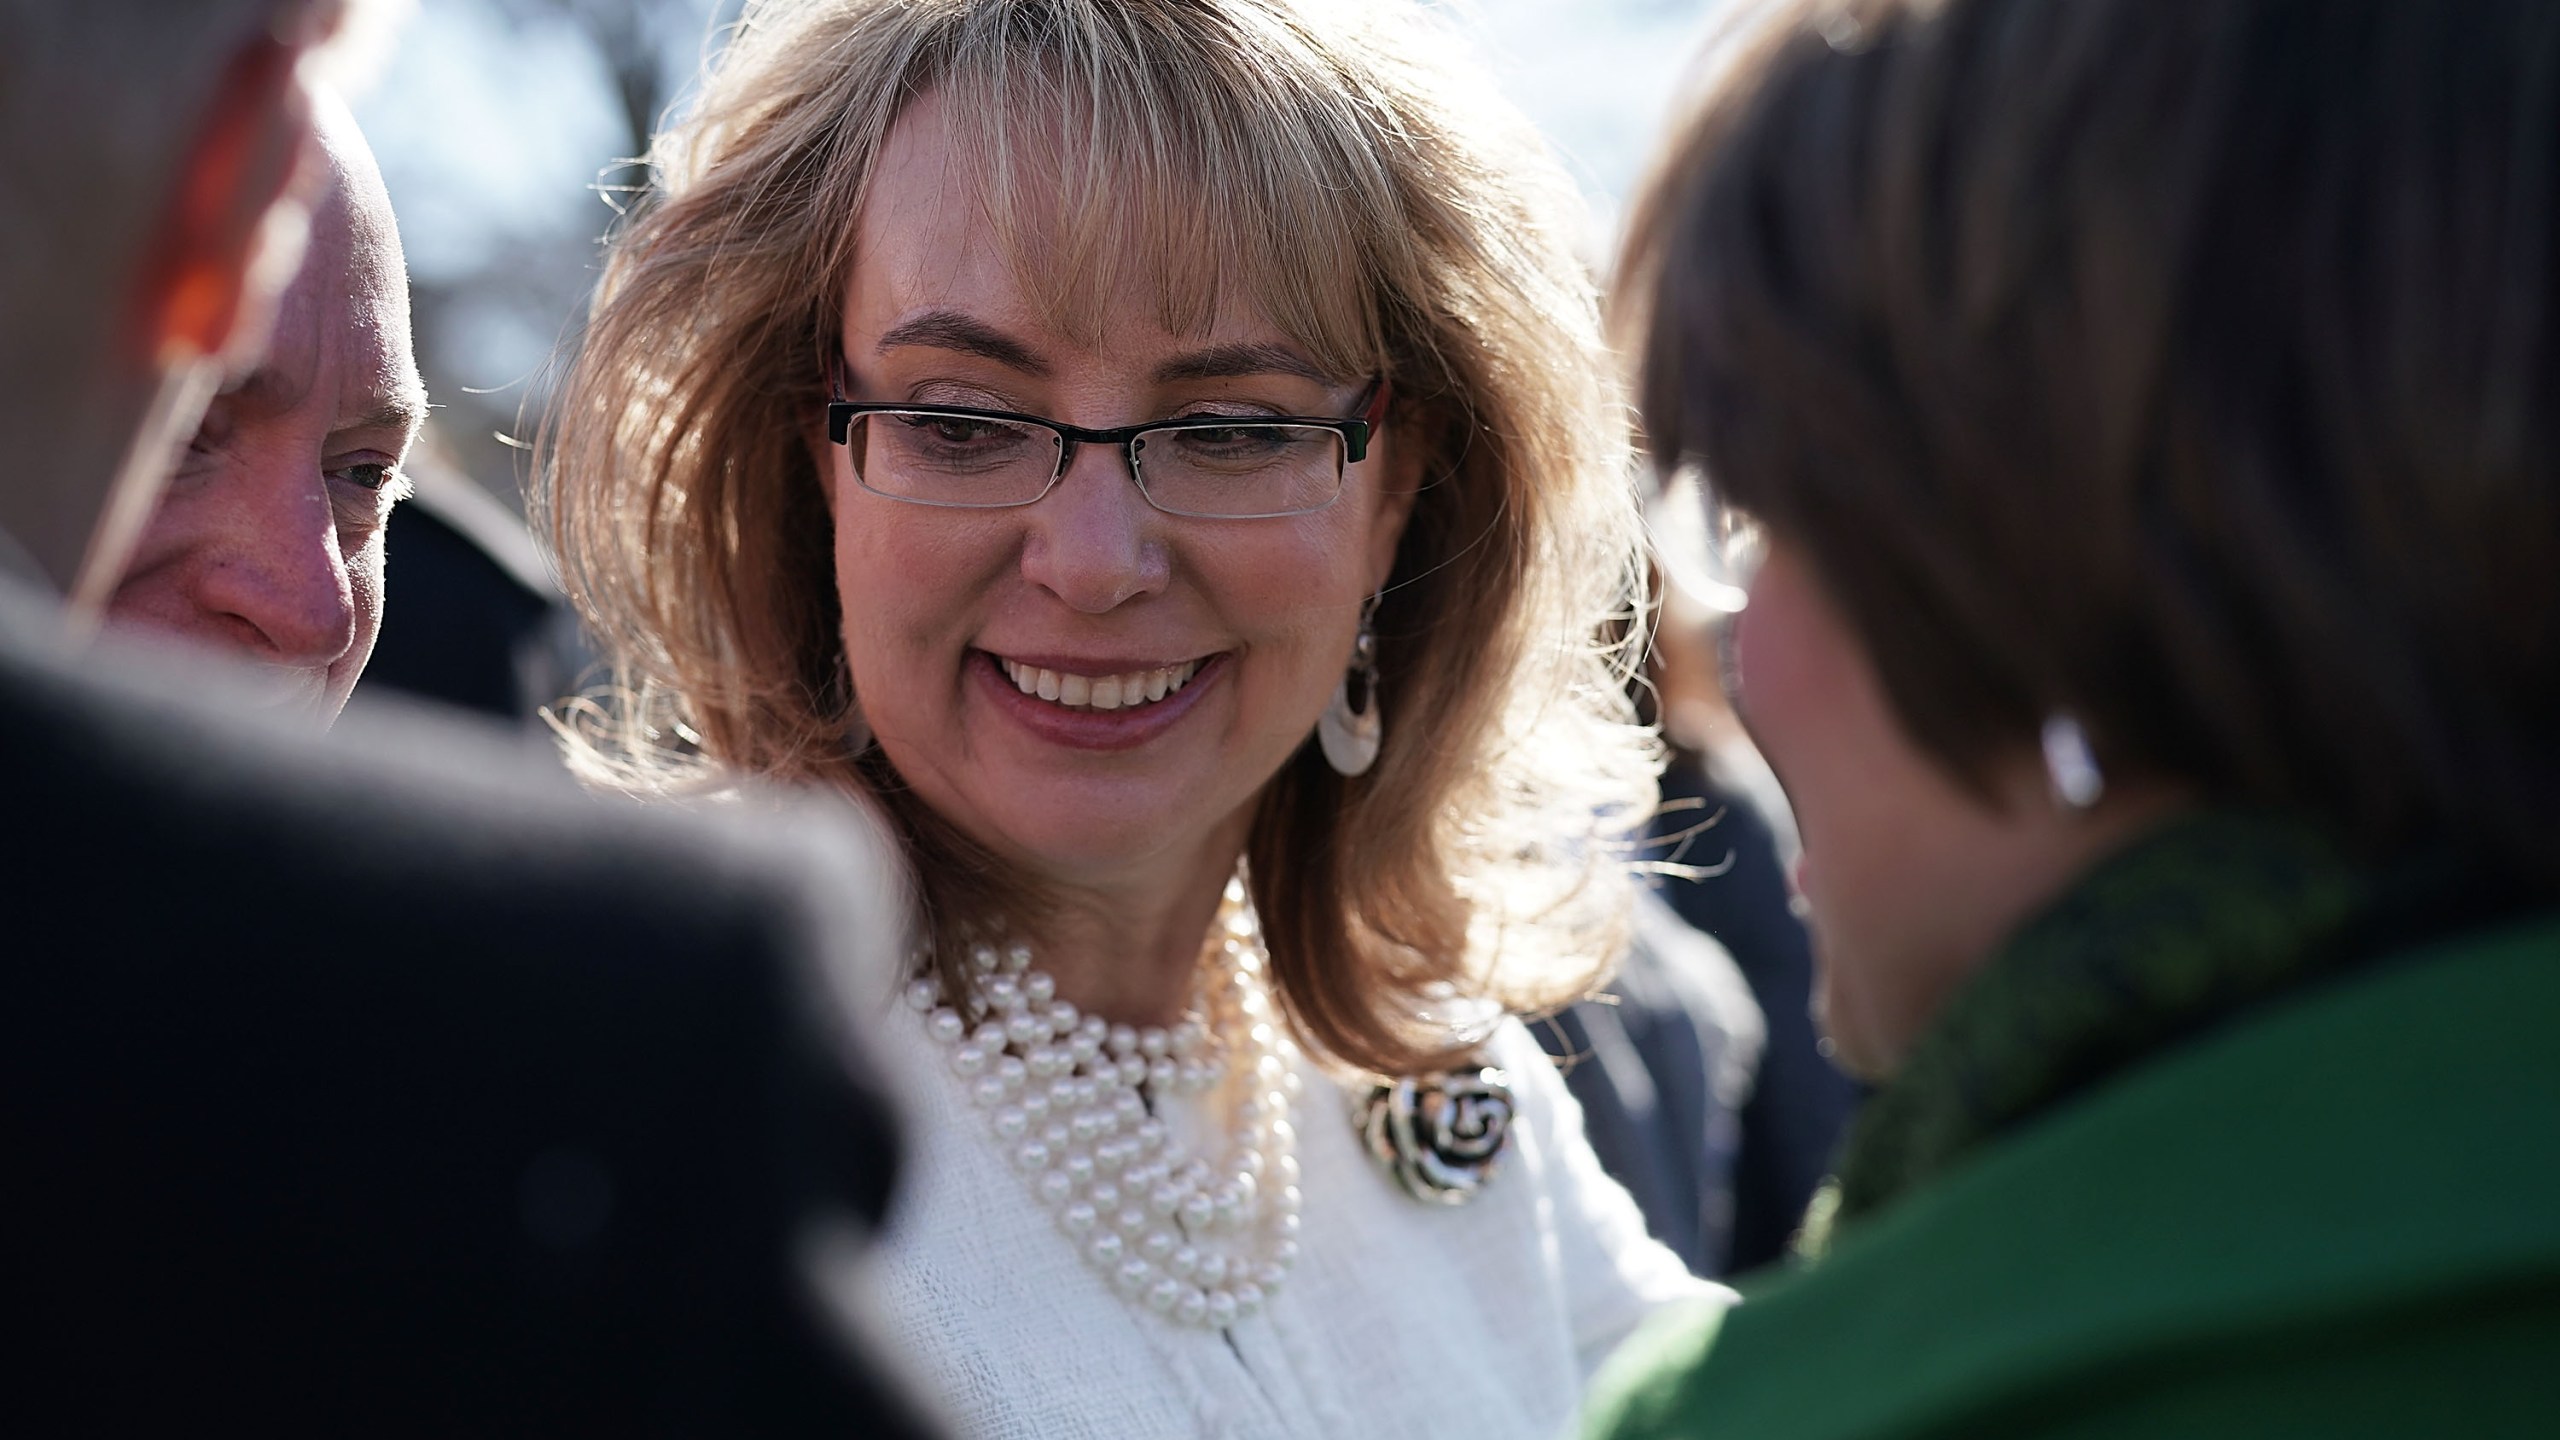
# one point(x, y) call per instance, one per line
point(368, 1084)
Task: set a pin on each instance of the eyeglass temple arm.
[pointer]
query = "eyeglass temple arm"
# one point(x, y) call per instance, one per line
point(1373, 414)
point(839, 418)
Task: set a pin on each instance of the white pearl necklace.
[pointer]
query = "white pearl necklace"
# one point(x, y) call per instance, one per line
point(1199, 1243)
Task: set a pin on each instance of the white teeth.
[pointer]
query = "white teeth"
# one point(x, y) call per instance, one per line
point(1104, 692)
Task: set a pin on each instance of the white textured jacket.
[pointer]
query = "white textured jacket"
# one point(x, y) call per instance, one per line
point(1402, 1319)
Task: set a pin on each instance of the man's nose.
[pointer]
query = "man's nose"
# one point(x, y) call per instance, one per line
point(1095, 542)
point(280, 580)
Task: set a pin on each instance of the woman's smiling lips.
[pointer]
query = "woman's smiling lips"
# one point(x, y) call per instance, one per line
point(1095, 704)
point(1077, 691)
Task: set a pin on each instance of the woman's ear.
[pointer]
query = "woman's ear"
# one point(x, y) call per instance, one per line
point(818, 435)
point(1406, 443)
point(822, 459)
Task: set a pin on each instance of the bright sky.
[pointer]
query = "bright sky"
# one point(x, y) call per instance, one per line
point(489, 128)
point(491, 133)
point(1602, 78)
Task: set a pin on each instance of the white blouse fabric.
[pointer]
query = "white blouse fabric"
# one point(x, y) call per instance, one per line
point(1402, 1319)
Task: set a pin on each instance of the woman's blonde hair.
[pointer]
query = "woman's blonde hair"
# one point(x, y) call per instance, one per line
point(1329, 162)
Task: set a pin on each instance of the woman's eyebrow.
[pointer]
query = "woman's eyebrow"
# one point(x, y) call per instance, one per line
point(1227, 362)
point(951, 330)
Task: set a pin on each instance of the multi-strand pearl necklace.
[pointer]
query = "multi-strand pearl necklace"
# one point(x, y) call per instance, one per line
point(1200, 1242)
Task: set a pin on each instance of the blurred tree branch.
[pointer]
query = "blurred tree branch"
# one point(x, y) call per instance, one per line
point(635, 41)
point(646, 52)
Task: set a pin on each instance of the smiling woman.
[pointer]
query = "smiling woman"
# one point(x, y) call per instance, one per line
point(1042, 419)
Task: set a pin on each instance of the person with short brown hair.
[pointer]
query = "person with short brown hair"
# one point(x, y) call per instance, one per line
point(2149, 414)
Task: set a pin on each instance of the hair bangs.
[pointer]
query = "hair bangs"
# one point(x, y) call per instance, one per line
point(1103, 162)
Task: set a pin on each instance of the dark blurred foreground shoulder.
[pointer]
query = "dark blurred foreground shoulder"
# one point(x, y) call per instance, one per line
point(381, 1081)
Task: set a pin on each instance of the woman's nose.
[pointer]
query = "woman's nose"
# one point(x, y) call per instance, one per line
point(1095, 542)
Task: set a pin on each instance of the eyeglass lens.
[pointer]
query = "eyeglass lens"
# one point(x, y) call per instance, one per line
point(1245, 469)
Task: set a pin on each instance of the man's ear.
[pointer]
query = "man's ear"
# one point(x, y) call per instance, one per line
point(232, 235)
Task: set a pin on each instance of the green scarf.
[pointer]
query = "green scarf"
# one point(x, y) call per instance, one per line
point(2198, 920)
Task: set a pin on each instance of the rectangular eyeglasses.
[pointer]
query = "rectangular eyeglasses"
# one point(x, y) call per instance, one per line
point(1226, 467)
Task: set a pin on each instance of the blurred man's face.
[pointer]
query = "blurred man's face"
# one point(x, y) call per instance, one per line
point(268, 543)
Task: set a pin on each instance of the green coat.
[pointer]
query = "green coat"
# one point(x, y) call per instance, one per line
point(2337, 1218)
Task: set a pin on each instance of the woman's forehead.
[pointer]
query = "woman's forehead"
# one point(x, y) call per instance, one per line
point(986, 218)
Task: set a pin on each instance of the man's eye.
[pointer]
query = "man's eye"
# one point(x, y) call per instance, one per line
point(366, 477)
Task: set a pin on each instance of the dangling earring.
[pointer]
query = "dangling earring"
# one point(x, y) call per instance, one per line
point(1351, 727)
point(2070, 766)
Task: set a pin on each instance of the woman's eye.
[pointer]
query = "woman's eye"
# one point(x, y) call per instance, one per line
point(1233, 443)
point(954, 429)
point(1227, 435)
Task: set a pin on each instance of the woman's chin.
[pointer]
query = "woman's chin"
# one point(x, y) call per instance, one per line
point(1087, 842)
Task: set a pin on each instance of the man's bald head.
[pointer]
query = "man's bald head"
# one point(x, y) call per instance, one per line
point(268, 542)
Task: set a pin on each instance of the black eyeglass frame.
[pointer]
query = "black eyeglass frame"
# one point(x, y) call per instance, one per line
point(1355, 433)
